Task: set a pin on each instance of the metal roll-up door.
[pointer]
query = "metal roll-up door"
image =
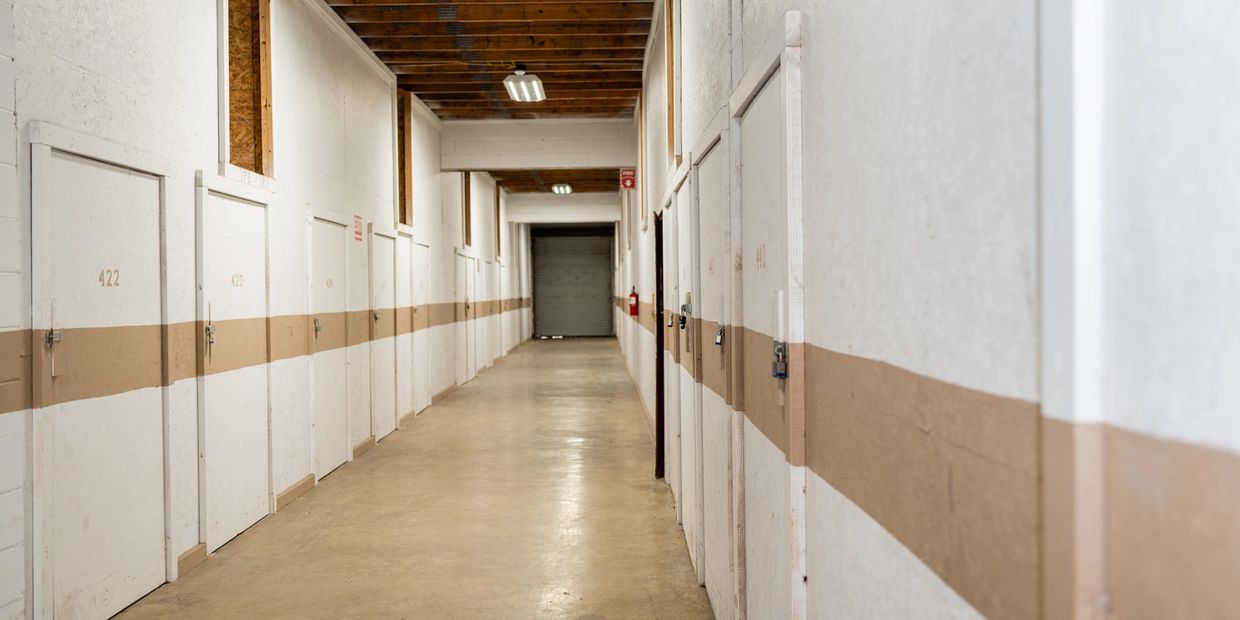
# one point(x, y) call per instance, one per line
point(572, 286)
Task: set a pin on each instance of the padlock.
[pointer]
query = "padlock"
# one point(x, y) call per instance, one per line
point(779, 368)
point(719, 337)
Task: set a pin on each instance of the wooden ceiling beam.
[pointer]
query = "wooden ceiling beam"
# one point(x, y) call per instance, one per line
point(465, 68)
point(618, 105)
point(461, 44)
point(359, 11)
point(465, 115)
point(523, 56)
point(415, 73)
point(552, 88)
point(629, 94)
point(485, 29)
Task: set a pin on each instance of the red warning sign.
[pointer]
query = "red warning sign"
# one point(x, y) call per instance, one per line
point(357, 228)
point(628, 178)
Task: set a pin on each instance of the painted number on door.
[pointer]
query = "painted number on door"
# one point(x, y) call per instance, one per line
point(109, 278)
point(238, 280)
point(329, 283)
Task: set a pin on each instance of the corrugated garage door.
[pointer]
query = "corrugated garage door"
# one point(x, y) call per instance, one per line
point(572, 286)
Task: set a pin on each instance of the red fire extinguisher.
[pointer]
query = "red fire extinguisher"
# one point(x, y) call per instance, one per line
point(633, 302)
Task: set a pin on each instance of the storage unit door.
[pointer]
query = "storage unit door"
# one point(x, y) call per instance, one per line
point(98, 424)
point(765, 280)
point(232, 413)
point(422, 327)
point(572, 286)
point(690, 389)
point(331, 409)
point(383, 335)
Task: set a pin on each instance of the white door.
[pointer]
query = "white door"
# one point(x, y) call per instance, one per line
point(329, 285)
point(383, 414)
point(482, 343)
point(690, 388)
point(460, 328)
point(421, 323)
point(671, 365)
point(497, 313)
point(712, 307)
point(768, 489)
point(99, 420)
point(404, 327)
point(471, 318)
point(232, 398)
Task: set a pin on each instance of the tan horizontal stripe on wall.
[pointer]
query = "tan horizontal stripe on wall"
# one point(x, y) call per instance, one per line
point(182, 339)
point(332, 331)
point(950, 472)
point(404, 320)
point(1173, 528)
point(290, 336)
point(421, 317)
point(385, 325)
point(15, 370)
point(358, 329)
point(764, 395)
point(238, 343)
point(97, 361)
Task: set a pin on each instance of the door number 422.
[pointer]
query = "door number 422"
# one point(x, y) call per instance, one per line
point(109, 278)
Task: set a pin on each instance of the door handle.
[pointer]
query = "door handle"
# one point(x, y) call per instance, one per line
point(376, 314)
point(52, 338)
point(318, 326)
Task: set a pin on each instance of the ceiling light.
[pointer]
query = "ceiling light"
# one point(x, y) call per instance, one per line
point(562, 188)
point(524, 87)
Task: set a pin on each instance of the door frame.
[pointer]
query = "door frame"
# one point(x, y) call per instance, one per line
point(44, 138)
point(205, 184)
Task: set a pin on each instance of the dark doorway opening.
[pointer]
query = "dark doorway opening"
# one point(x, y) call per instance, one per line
point(659, 413)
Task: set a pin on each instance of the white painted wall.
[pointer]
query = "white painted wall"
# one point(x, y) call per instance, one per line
point(590, 207)
point(149, 81)
point(538, 144)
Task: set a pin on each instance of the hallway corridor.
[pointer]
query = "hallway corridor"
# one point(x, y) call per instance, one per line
point(527, 493)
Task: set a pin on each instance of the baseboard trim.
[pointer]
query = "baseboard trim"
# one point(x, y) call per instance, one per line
point(289, 495)
point(364, 447)
point(190, 560)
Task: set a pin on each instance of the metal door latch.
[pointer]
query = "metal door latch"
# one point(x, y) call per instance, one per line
point(376, 316)
point(719, 337)
point(54, 336)
point(685, 310)
point(210, 331)
point(779, 368)
point(318, 326)
point(670, 319)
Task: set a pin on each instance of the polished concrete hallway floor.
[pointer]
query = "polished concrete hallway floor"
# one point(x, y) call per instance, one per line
point(527, 493)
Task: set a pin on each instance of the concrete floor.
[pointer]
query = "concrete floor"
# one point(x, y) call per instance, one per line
point(527, 493)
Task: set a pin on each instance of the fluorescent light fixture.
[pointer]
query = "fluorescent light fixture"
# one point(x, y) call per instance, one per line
point(524, 87)
point(562, 188)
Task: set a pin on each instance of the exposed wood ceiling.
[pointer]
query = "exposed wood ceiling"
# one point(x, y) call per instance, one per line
point(582, 179)
point(454, 54)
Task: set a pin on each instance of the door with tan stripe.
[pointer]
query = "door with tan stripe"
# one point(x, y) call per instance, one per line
point(690, 389)
point(764, 214)
point(383, 335)
point(422, 325)
point(328, 288)
point(232, 398)
point(671, 366)
point(98, 468)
